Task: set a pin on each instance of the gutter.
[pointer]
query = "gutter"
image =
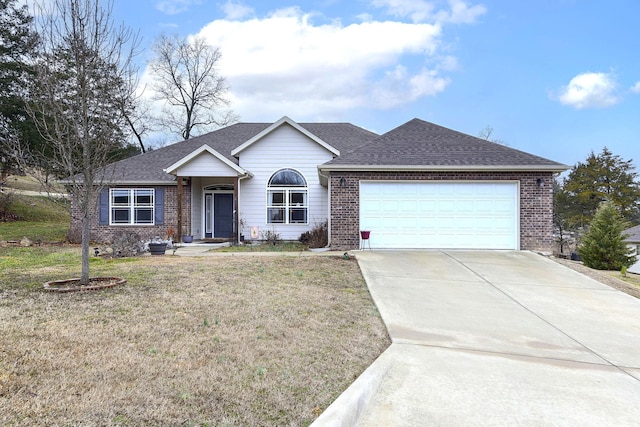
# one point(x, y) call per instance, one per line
point(445, 168)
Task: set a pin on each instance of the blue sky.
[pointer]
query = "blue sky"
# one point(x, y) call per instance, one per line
point(556, 78)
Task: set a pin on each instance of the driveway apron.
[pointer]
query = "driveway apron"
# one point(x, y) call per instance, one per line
point(501, 338)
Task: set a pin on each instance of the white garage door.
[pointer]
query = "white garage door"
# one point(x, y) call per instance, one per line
point(446, 215)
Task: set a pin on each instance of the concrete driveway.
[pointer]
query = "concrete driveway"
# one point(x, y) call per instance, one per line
point(497, 338)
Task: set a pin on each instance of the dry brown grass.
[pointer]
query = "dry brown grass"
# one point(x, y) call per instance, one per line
point(189, 341)
point(629, 284)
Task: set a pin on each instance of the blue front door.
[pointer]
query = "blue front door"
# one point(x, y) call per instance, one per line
point(222, 215)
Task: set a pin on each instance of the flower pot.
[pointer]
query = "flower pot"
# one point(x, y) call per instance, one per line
point(187, 239)
point(157, 248)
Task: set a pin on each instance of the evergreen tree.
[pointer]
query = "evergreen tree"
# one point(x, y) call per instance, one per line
point(601, 177)
point(603, 245)
point(17, 43)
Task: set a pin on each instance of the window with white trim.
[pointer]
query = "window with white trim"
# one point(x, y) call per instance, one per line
point(131, 206)
point(287, 198)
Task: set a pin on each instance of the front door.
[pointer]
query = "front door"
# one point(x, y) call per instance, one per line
point(222, 215)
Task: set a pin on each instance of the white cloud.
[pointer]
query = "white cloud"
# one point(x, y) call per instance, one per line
point(173, 7)
point(461, 13)
point(590, 90)
point(425, 11)
point(235, 10)
point(636, 88)
point(284, 64)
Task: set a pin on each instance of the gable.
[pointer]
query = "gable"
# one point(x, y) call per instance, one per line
point(283, 147)
point(205, 161)
point(284, 122)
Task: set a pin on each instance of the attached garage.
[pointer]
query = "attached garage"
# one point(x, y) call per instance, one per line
point(443, 215)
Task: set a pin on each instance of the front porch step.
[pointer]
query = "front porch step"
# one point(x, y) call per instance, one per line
point(215, 240)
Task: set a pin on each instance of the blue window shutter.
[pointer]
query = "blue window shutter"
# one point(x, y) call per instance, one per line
point(103, 207)
point(159, 206)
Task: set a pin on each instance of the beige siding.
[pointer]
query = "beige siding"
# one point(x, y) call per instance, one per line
point(285, 147)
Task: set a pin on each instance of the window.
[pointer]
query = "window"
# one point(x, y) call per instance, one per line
point(131, 206)
point(287, 198)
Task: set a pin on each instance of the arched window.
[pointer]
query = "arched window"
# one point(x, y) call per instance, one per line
point(287, 198)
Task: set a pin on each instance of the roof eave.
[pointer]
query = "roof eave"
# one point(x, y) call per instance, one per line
point(446, 168)
point(122, 182)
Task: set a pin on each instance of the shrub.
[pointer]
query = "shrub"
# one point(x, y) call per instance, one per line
point(603, 246)
point(318, 237)
point(127, 244)
point(6, 204)
point(271, 236)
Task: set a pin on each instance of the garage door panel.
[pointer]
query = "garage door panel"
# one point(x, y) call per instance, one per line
point(440, 215)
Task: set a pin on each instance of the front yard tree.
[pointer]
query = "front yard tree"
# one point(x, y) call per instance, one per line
point(187, 80)
point(601, 177)
point(82, 75)
point(603, 245)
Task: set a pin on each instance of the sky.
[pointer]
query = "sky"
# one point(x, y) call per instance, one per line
point(555, 78)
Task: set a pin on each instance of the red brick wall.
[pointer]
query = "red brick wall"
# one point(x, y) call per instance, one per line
point(104, 233)
point(536, 204)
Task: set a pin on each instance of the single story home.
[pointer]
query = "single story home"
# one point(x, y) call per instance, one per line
point(633, 243)
point(419, 185)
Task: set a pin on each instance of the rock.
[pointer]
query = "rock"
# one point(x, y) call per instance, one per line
point(26, 242)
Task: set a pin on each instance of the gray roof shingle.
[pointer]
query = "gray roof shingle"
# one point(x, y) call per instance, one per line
point(424, 144)
point(148, 167)
point(416, 143)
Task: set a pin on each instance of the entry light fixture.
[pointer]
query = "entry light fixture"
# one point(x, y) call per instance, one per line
point(540, 182)
point(343, 182)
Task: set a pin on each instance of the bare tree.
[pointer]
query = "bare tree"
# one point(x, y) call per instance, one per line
point(136, 111)
point(486, 135)
point(188, 81)
point(79, 98)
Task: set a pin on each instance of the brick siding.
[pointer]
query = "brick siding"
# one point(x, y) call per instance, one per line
point(536, 203)
point(104, 233)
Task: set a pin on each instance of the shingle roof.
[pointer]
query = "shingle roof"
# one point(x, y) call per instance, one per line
point(148, 167)
point(417, 144)
point(421, 144)
point(633, 234)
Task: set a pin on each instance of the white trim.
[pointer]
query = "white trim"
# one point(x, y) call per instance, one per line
point(287, 190)
point(444, 168)
point(276, 125)
point(204, 210)
point(132, 207)
point(205, 148)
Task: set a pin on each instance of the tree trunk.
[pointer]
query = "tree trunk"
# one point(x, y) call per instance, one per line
point(84, 277)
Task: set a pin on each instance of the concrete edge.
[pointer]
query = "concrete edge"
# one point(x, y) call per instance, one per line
point(347, 409)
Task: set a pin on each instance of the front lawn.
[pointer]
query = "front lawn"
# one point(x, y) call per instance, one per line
point(188, 341)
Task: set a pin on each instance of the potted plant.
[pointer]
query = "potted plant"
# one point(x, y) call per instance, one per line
point(157, 246)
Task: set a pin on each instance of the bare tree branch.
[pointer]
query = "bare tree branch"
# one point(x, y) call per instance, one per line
point(188, 82)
